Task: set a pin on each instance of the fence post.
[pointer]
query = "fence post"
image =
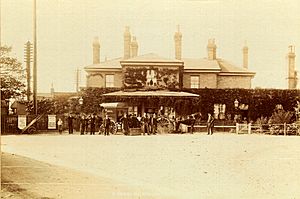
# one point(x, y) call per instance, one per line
point(249, 128)
point(237, 128)
point(284, 129)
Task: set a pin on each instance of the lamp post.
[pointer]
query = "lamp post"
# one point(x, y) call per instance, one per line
point(236, 106)
point(80, 101)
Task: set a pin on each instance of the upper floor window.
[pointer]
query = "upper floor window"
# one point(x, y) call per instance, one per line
point(109, 80)
point(194, 81)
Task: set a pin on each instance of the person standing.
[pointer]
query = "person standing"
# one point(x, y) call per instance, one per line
point(106, 125)
point(70, 124)
point(210, 124)
point(125, 124)
point(192, 123)
point(99, 123)
point(153, 124)
point(145, 122)
point(82, 125)
point(59, 125)
point(87, 120)
point(93, 124)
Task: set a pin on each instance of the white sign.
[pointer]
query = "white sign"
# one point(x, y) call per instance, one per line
point(51, 121)
point(21, 121)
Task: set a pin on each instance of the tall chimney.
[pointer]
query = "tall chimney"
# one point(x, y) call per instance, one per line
point(178, 42)
point(96, 51)
point(211, 49)
point(134, 47)
point(245, 56)
point(292, 79)
point(127, 41)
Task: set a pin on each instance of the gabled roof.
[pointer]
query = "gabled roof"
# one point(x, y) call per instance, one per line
point(190, 64)
point(113, 63)
point(151, 57)
point(201, 64)
point(218, 65)
point(228, 67)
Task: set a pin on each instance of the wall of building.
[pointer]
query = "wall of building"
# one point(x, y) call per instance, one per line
point(97, 79)
point(206, 80)
point(234, 82)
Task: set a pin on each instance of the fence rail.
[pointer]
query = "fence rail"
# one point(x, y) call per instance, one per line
point(272, 129)
point(9, 125)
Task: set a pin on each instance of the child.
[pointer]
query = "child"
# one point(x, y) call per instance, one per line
point(59, 124)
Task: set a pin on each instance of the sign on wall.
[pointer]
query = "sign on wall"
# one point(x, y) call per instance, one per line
point(21, 121)
point(51, 121)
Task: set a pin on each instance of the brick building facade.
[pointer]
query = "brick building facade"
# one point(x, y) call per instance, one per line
point(151, 70)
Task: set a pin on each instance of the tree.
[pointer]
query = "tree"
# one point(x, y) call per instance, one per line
point(12, 75)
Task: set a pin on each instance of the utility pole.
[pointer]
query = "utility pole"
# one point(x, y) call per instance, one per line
point(34, 59)
point(77, 79)
point(27, 60)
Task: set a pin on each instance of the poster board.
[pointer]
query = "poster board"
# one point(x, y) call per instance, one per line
point(51, 121)
point(22, 121)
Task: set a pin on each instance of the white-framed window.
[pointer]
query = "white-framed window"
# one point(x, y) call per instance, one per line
point(194, 81)
point(219, 111)
point(109, 80)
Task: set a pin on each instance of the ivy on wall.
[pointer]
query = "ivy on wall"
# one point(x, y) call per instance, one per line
point(137, 77)
point(261, 102)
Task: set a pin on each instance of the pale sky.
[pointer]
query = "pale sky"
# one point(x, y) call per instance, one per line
point(66, 29)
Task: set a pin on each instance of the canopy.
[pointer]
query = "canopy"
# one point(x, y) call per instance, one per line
point(113, 105)
point(151, 94)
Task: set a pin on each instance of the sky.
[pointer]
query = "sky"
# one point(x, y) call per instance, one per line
point(66, 29)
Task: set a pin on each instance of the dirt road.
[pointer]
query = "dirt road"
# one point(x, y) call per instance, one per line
point(186, 166)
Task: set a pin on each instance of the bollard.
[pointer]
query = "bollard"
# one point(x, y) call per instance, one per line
point(249, 128)
point(237, 128)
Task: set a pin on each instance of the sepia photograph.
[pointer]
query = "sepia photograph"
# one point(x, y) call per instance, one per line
point(150, 99)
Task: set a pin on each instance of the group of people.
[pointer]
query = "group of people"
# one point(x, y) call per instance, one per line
point(148, 123)
point(86, 123)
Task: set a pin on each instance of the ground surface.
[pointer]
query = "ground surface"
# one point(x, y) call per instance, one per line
point(177, 166)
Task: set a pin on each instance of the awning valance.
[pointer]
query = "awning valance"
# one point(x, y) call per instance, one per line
point(113, 105)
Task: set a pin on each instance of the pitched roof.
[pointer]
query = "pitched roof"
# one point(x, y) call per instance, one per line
point(201, 64)
point(112, 63)
point(228, 67)
point(220, 65)
point(217, 65)
point(150, 57)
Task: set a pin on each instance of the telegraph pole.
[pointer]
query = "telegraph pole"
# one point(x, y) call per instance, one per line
point(77, 80)
point(28, 60)
point(34, 59)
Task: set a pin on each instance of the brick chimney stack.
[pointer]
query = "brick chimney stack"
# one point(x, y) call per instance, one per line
point(292, 76)
point(245, 56)
point(127, 42)
point(96, 51)
point(134, 47)
point(178, 43)
point(211, 49)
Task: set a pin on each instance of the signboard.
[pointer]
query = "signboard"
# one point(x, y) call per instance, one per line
point(51, 121)
point(21, 121)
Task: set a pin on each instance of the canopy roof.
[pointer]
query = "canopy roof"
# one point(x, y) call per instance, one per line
point(151, 94)
point(113, 105)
